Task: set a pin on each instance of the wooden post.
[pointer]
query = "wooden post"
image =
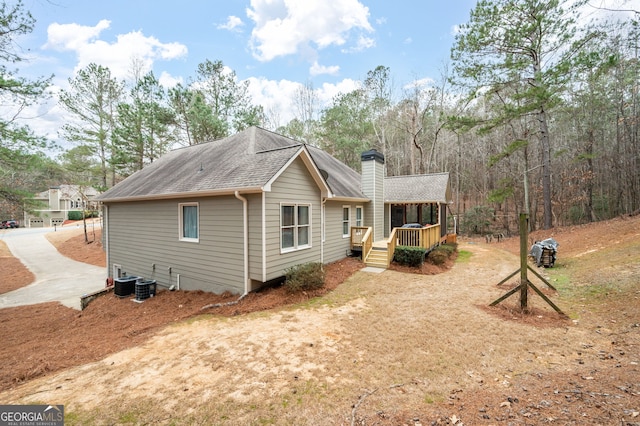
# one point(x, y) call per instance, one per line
point(524, 222)
point(524, 280)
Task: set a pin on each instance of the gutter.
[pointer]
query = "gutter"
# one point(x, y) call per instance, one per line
point(349, 199)
point(175, 195)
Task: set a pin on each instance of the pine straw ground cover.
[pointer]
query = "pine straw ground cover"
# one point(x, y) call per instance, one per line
point(390, 348)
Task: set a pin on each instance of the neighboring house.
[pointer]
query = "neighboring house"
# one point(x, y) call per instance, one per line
point(59, 201)
point(234, 214)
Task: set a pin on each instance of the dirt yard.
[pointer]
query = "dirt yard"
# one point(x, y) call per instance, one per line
point(386, 349)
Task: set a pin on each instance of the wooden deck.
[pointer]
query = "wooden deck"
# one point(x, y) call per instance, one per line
point(380, 253)
point(380, 244)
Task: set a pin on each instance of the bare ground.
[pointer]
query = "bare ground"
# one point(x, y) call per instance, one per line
point(14, 274)
point(388, 349)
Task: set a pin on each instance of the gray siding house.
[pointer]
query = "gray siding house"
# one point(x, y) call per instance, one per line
point(57, 202)
point(234, 214)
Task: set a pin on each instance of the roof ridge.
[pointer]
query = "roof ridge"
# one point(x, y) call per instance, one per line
point(279, 148)
point(278, 134)
point(417, 175)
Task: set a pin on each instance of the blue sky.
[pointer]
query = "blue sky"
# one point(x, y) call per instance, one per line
point(274, 44)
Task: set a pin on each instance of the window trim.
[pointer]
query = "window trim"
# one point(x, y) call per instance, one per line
point(347, 221)
point(361, 210)
point(117, 271)
point(181, 236)
point(296, 227)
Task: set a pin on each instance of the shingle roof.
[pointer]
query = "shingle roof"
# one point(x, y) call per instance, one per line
point(246, 160)
point(69, 191)
point(343, 180)
point(417, 188)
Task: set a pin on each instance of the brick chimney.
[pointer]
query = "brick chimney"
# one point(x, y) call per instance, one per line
point(373, 187)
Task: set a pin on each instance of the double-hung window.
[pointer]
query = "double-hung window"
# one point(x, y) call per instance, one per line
point(346, 221)
point(359, 216)
point(189, 222)
point(295, 226)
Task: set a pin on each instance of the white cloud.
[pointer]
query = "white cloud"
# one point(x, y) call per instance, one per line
point(611, 9)
point(329, 91)
point(279, 96)
point(408, 40)
point(168, 81)
point(422, 83)
point(363, 43)
point(286, 27)
point(233, 24)
point(117, 56)
point(317, 69)
point(72, 36)
point(44, 118)
point(366, 42)
point(275, 97)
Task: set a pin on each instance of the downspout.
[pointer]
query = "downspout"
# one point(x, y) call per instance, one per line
point(245, 220)
point(263, 227)
point(322, 219)
point(245, 223)
point(105, 237)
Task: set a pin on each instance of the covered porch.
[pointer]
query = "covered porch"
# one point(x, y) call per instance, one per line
point(425, 214)
point(416, 199)
point(412, 214)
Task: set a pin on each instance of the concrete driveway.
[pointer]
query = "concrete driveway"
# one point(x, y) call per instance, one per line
point(58, 278)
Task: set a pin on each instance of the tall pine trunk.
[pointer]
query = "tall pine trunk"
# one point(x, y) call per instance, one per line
point(546, 170)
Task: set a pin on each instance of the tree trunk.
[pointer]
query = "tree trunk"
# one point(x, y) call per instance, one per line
point(590, 173)
point(546, 170)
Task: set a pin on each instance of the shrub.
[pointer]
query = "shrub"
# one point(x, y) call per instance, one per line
point(438, 257)
point(306, 276)
point(409, 256)
point(75, 215)
point(450, 248)
point(440, 254)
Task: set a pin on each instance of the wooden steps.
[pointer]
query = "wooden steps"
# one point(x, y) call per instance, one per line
point(377, 258)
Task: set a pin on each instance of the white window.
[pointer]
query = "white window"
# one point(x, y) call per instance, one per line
point(117, 271)
point(359, 216)
point(346, 220)
point(295, 226)
point(189, 222)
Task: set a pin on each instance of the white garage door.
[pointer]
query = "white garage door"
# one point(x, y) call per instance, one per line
point(36, 223)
